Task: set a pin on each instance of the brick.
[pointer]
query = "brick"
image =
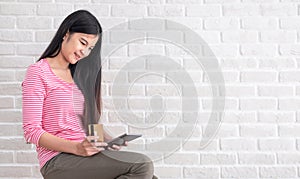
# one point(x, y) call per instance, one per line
point(20, 75)
point(279, 9)
point(276, 117)
point(10, 89)
point(136, 90)
point(34, 23)
point(70, 1)
point(258, 131)
point(141, 50)
point(7, 22)
point(116, 23)
point(14, 144)
point(277, 63)
point(147, 25)
point(7, 76)
point(128, 10)
point(31, 49)
point(239, 91)
point(259, 1)
point(229, 104)
point(259, 76)
point(218, 159)
point(15, 62)
point(164, 90)
point(256, 159)
point(166, 11)
point(220, 1)
point(11, 116)
point(197, 145)
point(278, 36)
point(277, 172)
point(182, 159)
point(290, 23)
point(153, 132)
point(239, 36)
point(11, 130)
point(290, 158)
point(98, 10)
point(6, 102)
point(17, 9)
point(173, 104)
point(219, 24)
point(16, 36)
point(36, 171)
point(182, 23)
point(238, 63)
point(7, 49)
point(210, 37)
point(54, 9)
point(259, 23)
point(203, 10)
point(10, 170)
point(237, 9)
point(109, 1)
point(258, 104)
point(167, 172)
point(40, 1)
point(228, 50)
point(289, 130)
point(239, 117)
point(275, 91)
point(183, 1)
point(173, 36)
point(44, 36)
point(126, 36)
point(6, 157)
point(113, 51)
point(239, 172)
point(289, 104)
point(276, 144)
point(258, 50)
point(145, 1)
point(18, 102)
point(289, 49)
point(238, 144)
point(201, 172)
point(28, 157)
point(289, 76)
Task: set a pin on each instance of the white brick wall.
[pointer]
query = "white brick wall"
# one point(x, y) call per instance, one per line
point(255, 41)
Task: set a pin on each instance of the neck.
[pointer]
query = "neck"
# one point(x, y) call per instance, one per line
point(60, 62)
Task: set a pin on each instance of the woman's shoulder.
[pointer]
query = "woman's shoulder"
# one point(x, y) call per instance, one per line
point(40, 65)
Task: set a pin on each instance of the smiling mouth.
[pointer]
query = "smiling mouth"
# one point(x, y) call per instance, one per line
point(77, 56)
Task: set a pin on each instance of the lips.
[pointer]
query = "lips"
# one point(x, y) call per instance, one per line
point(77, 56)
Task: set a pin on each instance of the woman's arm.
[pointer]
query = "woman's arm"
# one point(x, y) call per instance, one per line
point(84, 148)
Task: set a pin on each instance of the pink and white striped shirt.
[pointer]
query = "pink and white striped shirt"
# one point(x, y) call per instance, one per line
point(50, 105)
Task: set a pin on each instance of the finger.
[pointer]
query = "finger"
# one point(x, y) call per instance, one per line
point(100, 144)
point(115, 147)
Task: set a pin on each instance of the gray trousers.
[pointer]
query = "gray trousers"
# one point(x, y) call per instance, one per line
point(104, 165)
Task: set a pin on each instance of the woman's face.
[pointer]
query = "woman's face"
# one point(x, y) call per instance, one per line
point(77, 46)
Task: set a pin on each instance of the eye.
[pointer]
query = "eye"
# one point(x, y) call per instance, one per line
point(82, 43)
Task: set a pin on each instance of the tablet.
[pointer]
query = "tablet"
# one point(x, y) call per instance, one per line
point(120, 140)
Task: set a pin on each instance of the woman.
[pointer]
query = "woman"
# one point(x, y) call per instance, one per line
point(61, 96)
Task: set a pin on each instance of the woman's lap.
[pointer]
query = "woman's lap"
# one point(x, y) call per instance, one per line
point(104, 165)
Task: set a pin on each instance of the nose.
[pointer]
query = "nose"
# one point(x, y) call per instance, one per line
point(82, 52)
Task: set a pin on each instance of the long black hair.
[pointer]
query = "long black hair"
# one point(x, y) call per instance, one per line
point(86, 72)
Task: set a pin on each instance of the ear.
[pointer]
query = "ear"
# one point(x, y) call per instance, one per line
point(66, 35)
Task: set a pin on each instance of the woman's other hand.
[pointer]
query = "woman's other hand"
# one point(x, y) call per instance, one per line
point(88, 148)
